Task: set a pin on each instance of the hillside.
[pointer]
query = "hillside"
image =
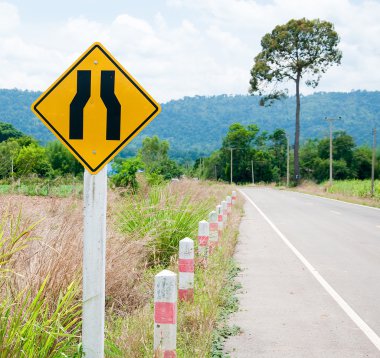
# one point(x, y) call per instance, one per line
point(195, 125)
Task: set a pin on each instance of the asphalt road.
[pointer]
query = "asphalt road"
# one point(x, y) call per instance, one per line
point(310, 279)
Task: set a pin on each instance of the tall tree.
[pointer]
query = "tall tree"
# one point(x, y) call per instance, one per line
point(299, 50)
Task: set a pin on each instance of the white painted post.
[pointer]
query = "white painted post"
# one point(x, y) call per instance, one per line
point(94, 263)
point(224, 211)
point(234, 197)
point(203, 237)
point(229, 205)
point(219, 212)
point(165, 314)
point(186, 270)
point(213, 236)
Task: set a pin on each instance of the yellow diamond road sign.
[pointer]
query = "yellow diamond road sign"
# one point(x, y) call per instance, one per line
point(95, 108)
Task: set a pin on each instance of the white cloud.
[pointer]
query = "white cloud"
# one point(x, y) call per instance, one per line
point(9, 18)
point(208, 49)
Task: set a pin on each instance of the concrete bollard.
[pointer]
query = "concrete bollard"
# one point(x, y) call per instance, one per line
point(229, 205)
point(234, 197)
point(165, 314)
point(224, 211)
point(213, 236)
point(186, 270)
point(203, 237)
point(219, 212)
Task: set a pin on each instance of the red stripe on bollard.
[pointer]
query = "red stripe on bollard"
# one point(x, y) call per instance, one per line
point(186, 265)
point(203, 240)
point(165, 312)
point(186, 294)
point(213, 226)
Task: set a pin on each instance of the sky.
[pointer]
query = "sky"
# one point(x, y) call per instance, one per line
point(178, 48)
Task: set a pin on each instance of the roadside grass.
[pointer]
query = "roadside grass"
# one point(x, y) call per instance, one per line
point(199, 323)
point(33, 186)
point(143, 231)
point(32, 325)
point(355, 187)
point(164, 216)
point(352, 191)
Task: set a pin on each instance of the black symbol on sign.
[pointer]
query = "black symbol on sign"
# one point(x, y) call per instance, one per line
point(107, 94)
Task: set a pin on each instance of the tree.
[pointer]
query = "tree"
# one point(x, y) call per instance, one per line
point(299, 50)
point(154, 155)
point(362, 162)
point(238, 139)
point(33, 160)
point(61, 160)
point(153, 152)
point(125, 173)
point(279, 149)
point(7, 131)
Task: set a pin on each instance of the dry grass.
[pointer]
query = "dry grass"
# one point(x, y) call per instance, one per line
point(57, 252)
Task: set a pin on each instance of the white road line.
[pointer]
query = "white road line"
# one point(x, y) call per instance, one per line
point(335, 212)
point(372, 336)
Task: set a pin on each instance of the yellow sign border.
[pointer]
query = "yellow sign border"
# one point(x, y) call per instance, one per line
point(157, 107)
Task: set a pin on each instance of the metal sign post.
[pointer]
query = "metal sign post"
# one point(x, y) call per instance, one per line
point(94, 262)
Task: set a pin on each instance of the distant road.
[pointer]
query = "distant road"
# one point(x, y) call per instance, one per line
point(311, 278)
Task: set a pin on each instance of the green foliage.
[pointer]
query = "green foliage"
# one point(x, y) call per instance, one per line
point(349, 161)
point(33, 159)
point(154, 156)
point(362, 162)
point(7, 131)
point(267, 153)
point(163, 216)
point(61, 160)
point(125, 173)
point(39, 329)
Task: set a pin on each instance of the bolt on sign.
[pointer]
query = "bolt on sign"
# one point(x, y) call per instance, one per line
point(95, 108)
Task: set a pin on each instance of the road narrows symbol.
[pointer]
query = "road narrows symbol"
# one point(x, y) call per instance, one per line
point(107, 93)
point(78, 104)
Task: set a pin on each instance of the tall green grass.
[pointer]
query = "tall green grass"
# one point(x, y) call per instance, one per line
point(31, 325)
point(354, 187)
point(163, 218)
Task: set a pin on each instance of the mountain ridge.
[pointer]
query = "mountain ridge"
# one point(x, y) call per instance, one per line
point(194, 126)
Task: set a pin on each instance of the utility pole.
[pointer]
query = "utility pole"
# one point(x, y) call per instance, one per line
point(287, 161)
point(373, 162)
point(330, 120)
point(253, 175)
point(216, 176)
